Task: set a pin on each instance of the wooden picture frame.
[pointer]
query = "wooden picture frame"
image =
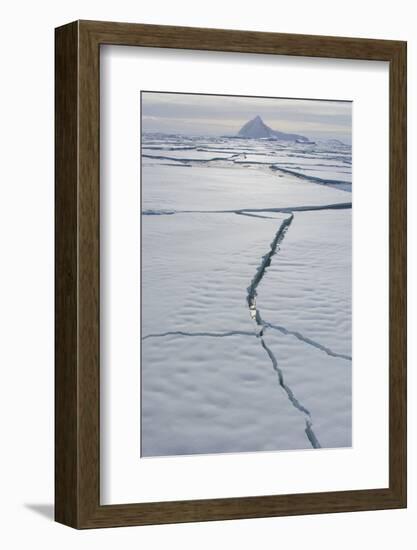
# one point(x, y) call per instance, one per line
point(77, 405)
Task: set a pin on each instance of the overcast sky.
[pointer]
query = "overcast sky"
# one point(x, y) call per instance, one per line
point(193, 114)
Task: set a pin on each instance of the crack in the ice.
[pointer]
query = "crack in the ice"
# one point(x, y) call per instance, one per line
point(275, 166)
point(266, 262)
point(177, 159)
point(282, 210)
point(308, 341)
point(311, 435)
point(282, 383)
point(313, 179)
point(152, 148)
point(281, 329)
point(254, 215)
point(210, 334)
point(256, 316)
point(251, 299)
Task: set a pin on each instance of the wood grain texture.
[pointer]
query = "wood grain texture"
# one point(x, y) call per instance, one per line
point(398, 273)
point(66, 237)
point(78, 284)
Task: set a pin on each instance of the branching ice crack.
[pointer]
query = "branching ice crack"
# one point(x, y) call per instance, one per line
point(256, 316)
point(308, 341)
point(251, 299)
point(247, 211)
point(281, 329)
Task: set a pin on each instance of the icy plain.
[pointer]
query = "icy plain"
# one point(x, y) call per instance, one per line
point(246, 295)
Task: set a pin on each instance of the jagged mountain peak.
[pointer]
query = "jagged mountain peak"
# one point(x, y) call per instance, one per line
point(256, 129)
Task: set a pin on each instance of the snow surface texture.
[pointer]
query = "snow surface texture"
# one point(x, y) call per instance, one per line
point(246, 295)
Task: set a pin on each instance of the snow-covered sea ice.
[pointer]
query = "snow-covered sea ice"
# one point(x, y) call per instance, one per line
point(246, 294)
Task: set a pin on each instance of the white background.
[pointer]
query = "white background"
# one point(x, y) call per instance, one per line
point(125, 478)
point(26, 290)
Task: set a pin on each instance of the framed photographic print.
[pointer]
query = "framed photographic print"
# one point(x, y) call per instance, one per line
point(230, 274)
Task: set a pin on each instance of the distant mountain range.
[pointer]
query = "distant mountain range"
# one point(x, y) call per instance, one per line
point(256, 129)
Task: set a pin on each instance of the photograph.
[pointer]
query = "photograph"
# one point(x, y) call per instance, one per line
point(208, 262)
point(246, 274)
